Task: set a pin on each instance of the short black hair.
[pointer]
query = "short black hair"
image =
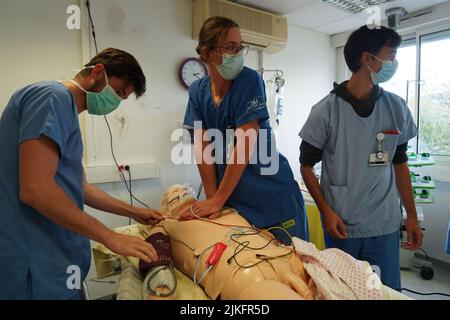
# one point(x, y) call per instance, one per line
point(120, 64)
point(368, 40)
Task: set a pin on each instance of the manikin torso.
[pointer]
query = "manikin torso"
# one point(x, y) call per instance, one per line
point(253, 266)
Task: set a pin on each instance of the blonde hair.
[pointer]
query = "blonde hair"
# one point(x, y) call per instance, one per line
point(174, 197)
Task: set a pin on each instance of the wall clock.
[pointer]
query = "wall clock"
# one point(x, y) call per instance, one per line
point(191, 70)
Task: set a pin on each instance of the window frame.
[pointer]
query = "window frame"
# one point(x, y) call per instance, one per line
point(441, 170)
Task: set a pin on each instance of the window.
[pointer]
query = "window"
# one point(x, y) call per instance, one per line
point(403, 83)
point(434, 99)
point(426, 88)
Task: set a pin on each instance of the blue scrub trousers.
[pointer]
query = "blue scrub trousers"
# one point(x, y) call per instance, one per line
point(382, 251)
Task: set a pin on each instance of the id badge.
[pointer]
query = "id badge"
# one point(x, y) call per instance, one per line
point(379, 159)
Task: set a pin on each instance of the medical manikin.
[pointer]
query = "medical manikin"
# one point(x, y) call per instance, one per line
point(227, 257)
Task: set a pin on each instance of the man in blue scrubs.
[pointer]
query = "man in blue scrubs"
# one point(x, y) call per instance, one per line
point(360, 133)
point(44, 233)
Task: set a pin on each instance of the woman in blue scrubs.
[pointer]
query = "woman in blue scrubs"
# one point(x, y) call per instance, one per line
point(245, 172)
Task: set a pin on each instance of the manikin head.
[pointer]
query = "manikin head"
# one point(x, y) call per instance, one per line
point(175, 197)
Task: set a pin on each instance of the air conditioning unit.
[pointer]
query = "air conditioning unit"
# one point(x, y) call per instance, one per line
point(258, 28)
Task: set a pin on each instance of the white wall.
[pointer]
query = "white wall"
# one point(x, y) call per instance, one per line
point(158, 34)
point(308, 63)
point(35, 44)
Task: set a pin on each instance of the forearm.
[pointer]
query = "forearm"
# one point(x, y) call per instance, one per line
point(51, 201)
point(235, 169)
point(98, 199)
point(403, 182)
point(231, 178)
point(209, 178)
point(205, 162)
point(314, 189)
point(246, 137)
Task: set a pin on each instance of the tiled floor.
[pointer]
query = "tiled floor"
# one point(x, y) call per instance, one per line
point(412, 280)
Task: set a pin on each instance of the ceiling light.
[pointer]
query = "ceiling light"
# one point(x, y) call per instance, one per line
point(355, 6)
point(394, 15)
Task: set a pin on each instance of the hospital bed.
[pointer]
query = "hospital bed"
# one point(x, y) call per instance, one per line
point(130, 284)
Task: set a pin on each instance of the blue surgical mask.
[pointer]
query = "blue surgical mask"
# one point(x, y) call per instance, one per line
point(231, 66)
point(387, 71)
point(101, 103)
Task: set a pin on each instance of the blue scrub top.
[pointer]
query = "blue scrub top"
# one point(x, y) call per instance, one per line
point(365, 197)
point(34, 251)
point(264, 200)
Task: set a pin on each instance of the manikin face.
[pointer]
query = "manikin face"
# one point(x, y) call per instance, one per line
point(174, 198)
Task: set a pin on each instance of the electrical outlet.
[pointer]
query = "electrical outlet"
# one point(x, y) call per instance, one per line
point(107, 174)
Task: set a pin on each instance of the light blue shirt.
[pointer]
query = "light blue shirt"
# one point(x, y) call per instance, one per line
point(264, 200)
point(365, 197)
point(34, 251)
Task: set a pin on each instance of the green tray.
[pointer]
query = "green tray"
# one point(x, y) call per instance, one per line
point(424, 185)
point(416, 160)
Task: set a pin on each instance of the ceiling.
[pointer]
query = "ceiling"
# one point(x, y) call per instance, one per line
point(322, 17)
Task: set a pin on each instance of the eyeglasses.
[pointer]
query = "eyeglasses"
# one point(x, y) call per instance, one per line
point(232, 49)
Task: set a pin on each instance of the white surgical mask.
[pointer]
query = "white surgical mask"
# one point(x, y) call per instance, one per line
point(231, 66)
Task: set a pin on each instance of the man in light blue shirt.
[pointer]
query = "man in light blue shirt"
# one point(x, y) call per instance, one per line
point(360, 133)
point(43, 230)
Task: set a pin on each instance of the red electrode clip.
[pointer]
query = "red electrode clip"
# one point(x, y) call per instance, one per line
point(216, 253)
point(394, 132)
